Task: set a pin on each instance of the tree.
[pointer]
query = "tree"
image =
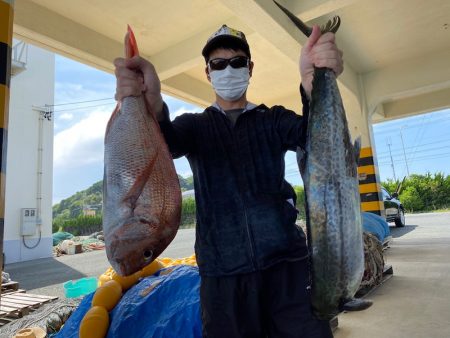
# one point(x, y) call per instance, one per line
point(423, 192)
point(411, 199)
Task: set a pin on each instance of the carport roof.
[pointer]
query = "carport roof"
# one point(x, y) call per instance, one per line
point(397, 53)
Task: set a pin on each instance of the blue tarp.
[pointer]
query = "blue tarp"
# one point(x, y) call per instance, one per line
point(163, 305)
point(376, 225)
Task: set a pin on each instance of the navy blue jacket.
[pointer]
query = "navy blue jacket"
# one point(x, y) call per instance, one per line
point(244, 221)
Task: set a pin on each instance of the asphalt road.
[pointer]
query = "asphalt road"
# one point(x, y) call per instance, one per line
point(46, 276)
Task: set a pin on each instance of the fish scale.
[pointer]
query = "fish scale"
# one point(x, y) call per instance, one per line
point(328, 165)
point(142, 195)
point(329, 173)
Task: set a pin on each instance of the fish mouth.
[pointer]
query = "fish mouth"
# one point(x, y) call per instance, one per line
point(132, 247)
point(135, 260)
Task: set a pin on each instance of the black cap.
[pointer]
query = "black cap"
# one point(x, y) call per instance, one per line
point(228, 36)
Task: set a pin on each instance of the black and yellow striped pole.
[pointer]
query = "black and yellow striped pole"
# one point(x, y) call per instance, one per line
point(6, 30)
point(369, 186)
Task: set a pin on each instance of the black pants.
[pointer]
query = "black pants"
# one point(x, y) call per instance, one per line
point(273, 303)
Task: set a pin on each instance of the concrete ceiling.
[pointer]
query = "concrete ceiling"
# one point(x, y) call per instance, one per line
point(396, 52)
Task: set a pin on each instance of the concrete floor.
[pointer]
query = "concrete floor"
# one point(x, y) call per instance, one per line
point(414, 303)
point(46, 276)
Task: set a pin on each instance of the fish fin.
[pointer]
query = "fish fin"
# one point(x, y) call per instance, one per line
point(136, 190)
point(357, 148)
point(131, 48)
point(356, 304)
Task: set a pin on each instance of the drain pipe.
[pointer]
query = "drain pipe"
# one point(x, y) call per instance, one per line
point(40, 151)
point(45, 113)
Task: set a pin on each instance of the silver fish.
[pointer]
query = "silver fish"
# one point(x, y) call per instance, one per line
point(328, 166)
point(329, 171)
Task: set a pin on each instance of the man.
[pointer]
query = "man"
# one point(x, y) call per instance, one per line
point(252, 257)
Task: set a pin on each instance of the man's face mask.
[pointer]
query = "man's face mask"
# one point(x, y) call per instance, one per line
point(229, 77)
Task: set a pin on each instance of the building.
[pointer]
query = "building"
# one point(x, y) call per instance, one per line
point(28, 196)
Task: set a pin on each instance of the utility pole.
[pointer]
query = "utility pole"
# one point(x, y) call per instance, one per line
point(392, 161)
point(404, 153)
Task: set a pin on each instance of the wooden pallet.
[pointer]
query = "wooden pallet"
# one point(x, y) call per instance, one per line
point(9, 287)
point(17, 304)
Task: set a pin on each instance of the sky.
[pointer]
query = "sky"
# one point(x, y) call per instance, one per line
point(84, 102)
point(418, 144)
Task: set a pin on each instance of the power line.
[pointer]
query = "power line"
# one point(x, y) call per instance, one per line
point(78, 102)
point(79, 108)
point(394, 129)
point(439, 141)
point(417, 151)
point(423, 144)
point(419, 136)
point(427, 157)
point(392, 161)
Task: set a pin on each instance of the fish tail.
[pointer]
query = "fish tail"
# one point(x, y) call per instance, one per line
point(331, 26)
point(131, 48)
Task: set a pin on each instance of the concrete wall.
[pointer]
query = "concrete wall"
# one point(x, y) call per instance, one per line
point(34, 87)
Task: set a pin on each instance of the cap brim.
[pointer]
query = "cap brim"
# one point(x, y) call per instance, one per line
point(218, 40)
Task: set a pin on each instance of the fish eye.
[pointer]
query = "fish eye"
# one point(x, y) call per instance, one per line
point(148, 254)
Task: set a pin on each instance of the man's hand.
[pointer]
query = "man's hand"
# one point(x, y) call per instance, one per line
point(320, 51)
point(137, 76)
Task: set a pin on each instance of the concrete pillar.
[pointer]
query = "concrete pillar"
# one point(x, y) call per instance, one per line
point(6, 29)
point(369, 183)
point(368, 174)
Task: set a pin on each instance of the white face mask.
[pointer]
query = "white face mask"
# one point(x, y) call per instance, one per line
point(230, 83)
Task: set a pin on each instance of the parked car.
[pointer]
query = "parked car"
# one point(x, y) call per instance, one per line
point(394, 208)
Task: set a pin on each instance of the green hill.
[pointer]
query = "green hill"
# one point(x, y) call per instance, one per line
point(91, 199)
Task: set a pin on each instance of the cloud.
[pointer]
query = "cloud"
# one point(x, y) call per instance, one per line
point(82, 143)
point(67, 92)
point(66, 116)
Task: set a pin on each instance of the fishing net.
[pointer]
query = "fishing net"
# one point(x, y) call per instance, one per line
point(88, 243)
point(373, 261)
point(373, 258)
point(49, 317)
point(58, 237)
